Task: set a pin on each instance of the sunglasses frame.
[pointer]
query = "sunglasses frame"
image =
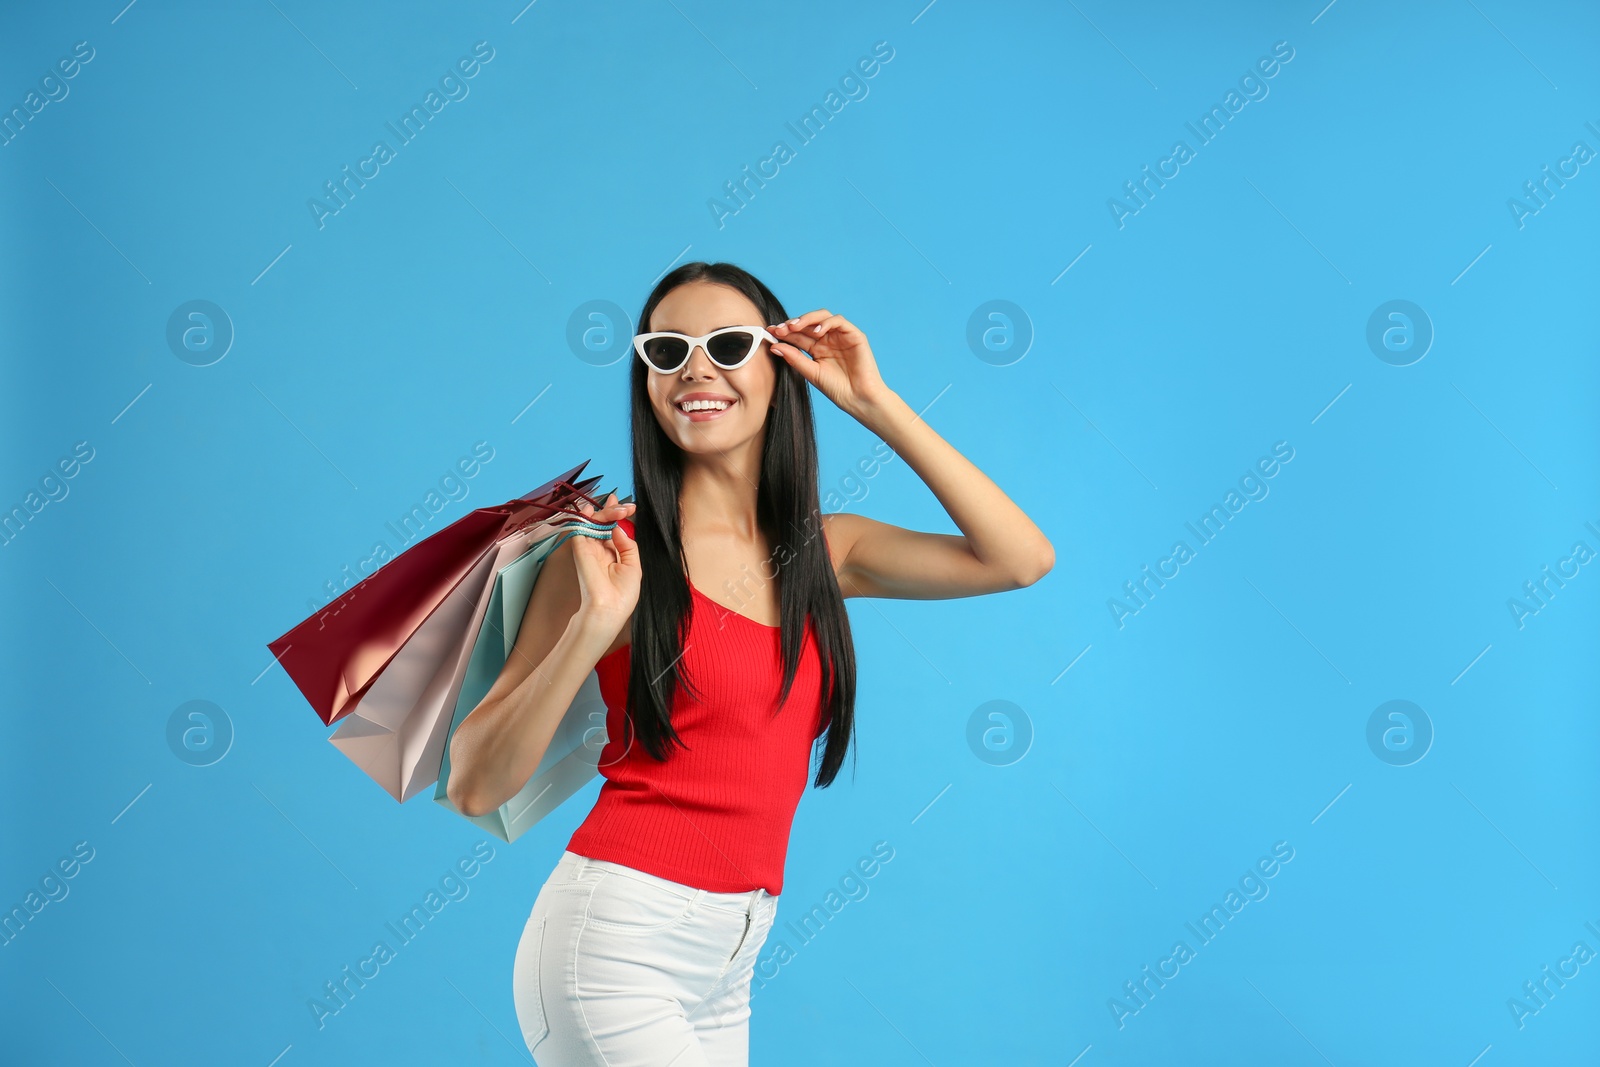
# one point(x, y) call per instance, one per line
point(759, 333)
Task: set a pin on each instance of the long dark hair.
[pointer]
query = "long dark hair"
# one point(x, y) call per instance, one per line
point(788, 510)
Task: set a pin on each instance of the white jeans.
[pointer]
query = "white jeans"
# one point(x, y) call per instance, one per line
point(619, 968)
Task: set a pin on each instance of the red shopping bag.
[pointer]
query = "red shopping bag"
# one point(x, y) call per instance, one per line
point(335, 655)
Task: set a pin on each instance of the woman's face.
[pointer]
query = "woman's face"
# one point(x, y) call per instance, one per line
point(697, 308)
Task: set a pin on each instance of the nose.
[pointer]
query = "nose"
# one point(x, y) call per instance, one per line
point(699, 363)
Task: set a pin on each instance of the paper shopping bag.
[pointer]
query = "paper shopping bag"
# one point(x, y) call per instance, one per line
point(337, 654)
point(396, 733)
point(573, 755)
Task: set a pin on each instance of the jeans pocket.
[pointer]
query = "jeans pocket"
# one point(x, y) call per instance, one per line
point(634, 905)
point(765, 919)
point(527, 989)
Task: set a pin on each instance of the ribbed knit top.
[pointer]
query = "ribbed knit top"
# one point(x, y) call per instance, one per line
point(715, 814)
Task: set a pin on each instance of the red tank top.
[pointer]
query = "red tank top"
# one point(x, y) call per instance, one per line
point(717, 814)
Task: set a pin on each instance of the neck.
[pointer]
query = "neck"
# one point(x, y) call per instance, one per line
point(719, 493)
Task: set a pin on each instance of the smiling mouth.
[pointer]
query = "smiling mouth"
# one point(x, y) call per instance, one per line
point(704, 410)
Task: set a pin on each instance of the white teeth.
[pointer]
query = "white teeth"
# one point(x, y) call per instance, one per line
point(704, 405)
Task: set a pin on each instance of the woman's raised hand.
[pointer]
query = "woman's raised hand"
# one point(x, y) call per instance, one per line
point(832, 353)
point(608, 574)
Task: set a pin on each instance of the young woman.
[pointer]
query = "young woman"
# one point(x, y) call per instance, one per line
point(715, 620)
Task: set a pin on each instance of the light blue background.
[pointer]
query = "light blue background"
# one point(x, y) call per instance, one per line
point(1230, 313)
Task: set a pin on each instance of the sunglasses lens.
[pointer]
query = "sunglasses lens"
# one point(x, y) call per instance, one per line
point(665, 353)
point(727, 349)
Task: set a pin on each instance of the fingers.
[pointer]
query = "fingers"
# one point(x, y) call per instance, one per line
point(802, 323)
point(799, 359)
point(609, 509)
point(795, 339)
point(835, 324)
point(813, 326)
point(807, 320)
point(611, 512)
point(627, 548)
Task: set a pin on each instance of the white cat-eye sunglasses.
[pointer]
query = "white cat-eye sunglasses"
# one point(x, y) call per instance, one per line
point(729, 348)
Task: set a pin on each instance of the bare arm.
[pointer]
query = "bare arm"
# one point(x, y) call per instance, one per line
point(878, 559)
point(566, 628)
